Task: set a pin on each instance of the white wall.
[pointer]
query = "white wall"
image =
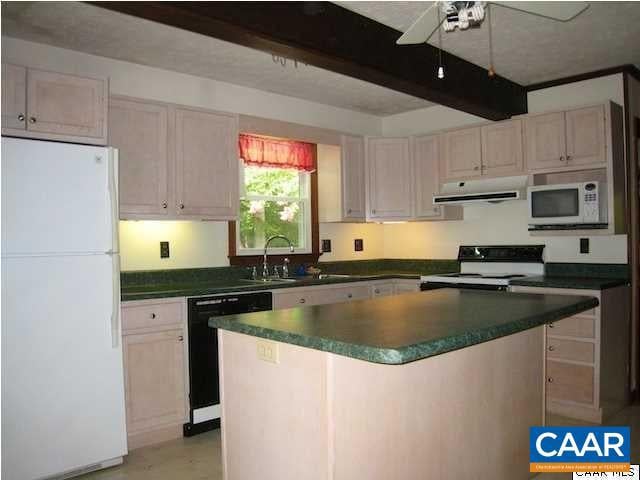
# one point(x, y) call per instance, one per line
point(506, 223)
point(193, 244)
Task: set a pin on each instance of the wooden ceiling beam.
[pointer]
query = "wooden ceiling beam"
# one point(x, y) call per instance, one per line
point(333, 38)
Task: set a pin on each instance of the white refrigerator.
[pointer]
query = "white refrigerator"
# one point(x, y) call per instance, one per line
point(63, 408)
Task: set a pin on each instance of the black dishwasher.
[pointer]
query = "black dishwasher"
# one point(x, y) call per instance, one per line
point(204, 390)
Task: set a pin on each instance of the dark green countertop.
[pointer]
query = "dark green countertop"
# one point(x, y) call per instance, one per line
point(213, 287)
point(583, 283)
point(401, 329)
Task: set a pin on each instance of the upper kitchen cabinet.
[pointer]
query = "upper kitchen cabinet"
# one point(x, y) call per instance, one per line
point(566, 140)
point(14, 96)
point(139, 130)
point(586, 142)
point(206, 152)
point(353, 178)
point(174, 162)
point(389, 179)
point(54, 106)
point(502, 148)
point(426, 176)
point(545, 141)
point(462, 153)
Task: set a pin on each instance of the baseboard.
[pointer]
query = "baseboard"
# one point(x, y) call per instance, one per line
point(151, 437)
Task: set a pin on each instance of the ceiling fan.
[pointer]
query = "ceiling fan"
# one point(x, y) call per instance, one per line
point(463, 15)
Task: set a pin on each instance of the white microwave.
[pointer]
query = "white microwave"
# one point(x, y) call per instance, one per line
point(571, 205)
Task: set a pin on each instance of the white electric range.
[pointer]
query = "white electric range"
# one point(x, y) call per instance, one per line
point(489, 267)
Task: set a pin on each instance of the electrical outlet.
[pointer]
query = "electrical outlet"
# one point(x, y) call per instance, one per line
point(268, 351)
point(326, 245)
point(358, 245)
point(164, 249)
point(584, 245)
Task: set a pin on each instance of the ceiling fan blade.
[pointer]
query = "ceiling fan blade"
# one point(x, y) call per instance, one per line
point(421, 30)
point(560, 11)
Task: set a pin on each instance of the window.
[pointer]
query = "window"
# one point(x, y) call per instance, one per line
point(278, 196)
point(274, 201)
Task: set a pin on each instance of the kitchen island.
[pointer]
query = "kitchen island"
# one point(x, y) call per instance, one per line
point(437, 384)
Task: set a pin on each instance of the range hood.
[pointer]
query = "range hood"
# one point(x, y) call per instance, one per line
point(494, 190)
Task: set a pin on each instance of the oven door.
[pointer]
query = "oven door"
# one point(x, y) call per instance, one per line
point(555, 206)
point(466, 286)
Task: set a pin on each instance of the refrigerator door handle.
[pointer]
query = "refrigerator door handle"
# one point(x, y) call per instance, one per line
point(115, 305)
point(113, 252)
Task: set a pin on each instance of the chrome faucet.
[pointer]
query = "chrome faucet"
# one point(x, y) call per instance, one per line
point(265, 265)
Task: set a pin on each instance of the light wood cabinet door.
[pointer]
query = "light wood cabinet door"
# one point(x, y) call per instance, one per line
point(545, 141)
point(586, 136)
point(390, 182)
point(207, 162)
point(139, 131)
point(154, 380)
point(502, 149)
point(353, 178)
point(426, 155)
point(66, 104)
point(462, 153)
point(14, 96)
point(568, 381)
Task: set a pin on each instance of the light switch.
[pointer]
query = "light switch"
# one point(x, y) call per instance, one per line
point(268, 351)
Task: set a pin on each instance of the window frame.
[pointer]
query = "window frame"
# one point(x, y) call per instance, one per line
point(277, 255)
point(305, 201)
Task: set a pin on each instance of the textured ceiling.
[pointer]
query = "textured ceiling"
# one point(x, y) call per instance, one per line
point(530, 49)
point(86, 28)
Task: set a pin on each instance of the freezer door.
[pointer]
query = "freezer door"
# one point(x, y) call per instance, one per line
point(56, 198)
point(62, 379)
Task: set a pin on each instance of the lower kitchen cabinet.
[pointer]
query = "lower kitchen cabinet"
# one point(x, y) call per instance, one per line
point(587, 356)
point(320, 295)
point(154, 370)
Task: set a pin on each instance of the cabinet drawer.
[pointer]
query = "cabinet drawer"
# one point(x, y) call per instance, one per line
point(345, 294)
point(151, 315)
point(570, 350)
point(576, 326)
point(302, 298)
point(566, 381)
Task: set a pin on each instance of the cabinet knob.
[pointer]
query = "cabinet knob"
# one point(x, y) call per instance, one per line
point(476, 167)
point(376, 290)
point(303, 300)
point(182, 206)
point(373, 211)
point(350, 295)
point(180, 338)
point(153, 315)
point(551, 348)
point(568, 157)
point(164, 204)
point(551, 325)
point(550, 380)
point(349, 210)
point(20, 117)
point(562, 158)
point(32, 119)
